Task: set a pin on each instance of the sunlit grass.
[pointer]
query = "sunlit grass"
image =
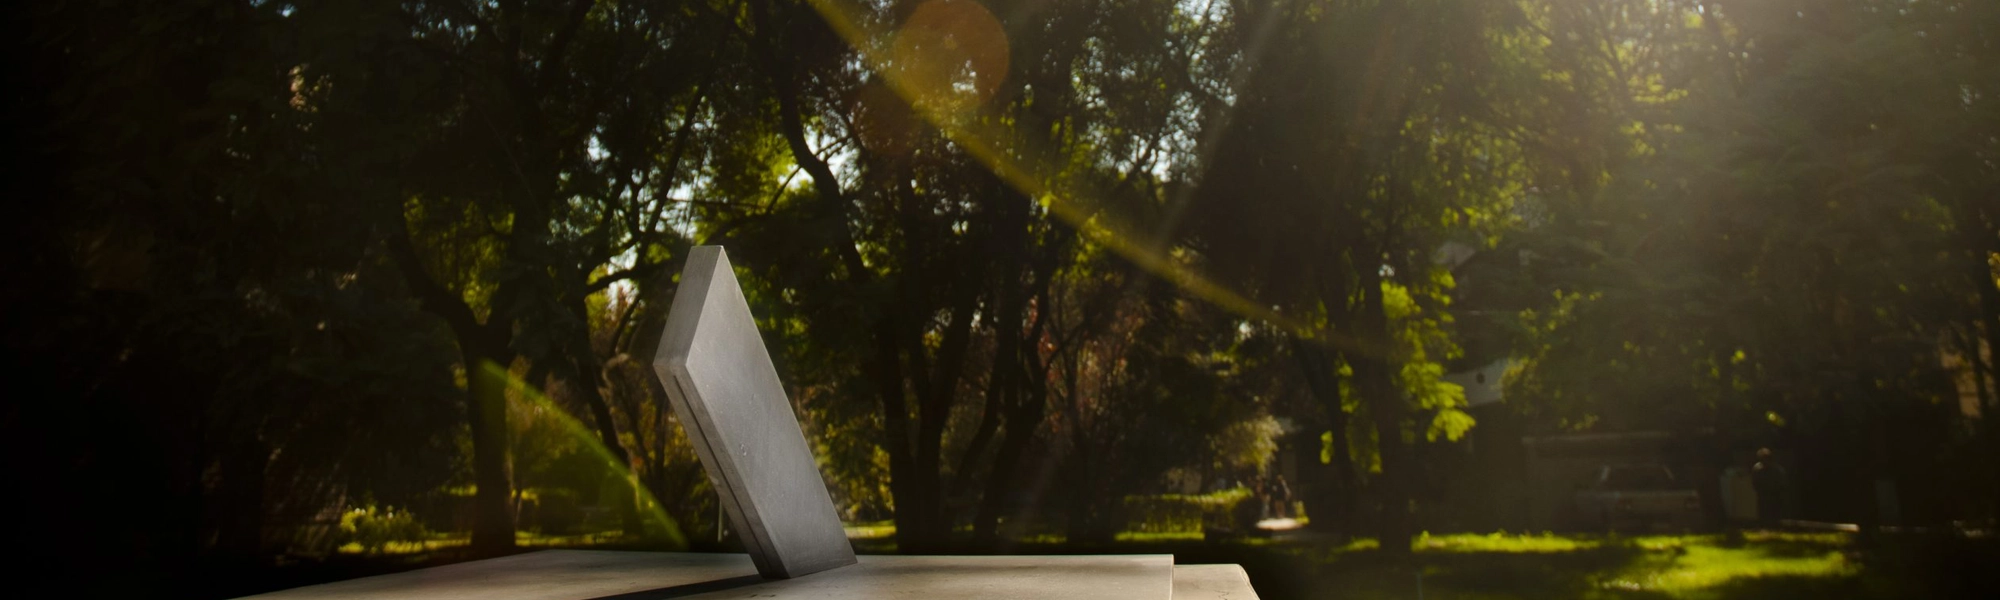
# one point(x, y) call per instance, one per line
point(1049, 539)
point(1159, 536)
point(1500, 542)
point(1693, 566)
point(1497, 565)
point(1707, 566)
point(1358, 544)
point(442, 542)
point(522, 539)
point(871, 531)
point(528, 539)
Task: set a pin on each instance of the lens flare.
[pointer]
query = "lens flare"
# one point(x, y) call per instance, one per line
point(650, 511)
point(951, 56)
point(946, 61)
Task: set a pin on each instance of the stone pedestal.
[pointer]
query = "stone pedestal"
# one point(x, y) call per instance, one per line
point(607, 575)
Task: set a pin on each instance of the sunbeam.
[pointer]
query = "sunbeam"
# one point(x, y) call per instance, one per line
point(1027, 165)
point(658, 525)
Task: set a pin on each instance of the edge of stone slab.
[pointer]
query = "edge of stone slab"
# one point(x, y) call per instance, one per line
point(1212, 582)
point(607, 574)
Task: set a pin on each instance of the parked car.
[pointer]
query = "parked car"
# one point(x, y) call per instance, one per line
point(1638, 496)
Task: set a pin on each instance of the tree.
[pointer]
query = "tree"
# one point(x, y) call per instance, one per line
point(525, 156)
point(1779, 270)
point(1332, 216)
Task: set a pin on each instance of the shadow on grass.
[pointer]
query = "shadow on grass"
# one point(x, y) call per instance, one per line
point(1572, 574)
point(1795, 586)
point(1795, 548)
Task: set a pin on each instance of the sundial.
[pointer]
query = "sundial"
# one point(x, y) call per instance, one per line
point(727, 394)
point(723, 387)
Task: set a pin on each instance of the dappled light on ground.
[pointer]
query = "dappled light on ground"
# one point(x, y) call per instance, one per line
point(1503, 565)
point(1500, 542)
point(1712, 566)
point(1697, 566)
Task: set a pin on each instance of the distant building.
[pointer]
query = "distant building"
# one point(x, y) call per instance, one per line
point(1482, 384)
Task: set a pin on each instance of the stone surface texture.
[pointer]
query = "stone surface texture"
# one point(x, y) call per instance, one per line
point(1212, 582)
point(605, 575)
point(721, 383)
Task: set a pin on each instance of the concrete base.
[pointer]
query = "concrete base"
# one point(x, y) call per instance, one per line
point(1212, 582)
point(606, 575)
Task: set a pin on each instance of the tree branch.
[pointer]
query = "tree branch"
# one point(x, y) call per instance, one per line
point(435, 298)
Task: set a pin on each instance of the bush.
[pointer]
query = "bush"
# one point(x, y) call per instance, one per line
point(374, 529)
point(1184, 513)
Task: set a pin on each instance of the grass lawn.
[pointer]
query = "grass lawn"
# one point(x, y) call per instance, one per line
point(1499, 566)
point(1704, 566)
point(1695, 567)
point(451, 541)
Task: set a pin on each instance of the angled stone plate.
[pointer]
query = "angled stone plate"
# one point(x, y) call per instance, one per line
point(727, 395)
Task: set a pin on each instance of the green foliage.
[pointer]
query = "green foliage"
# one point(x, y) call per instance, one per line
point(374, 529)
point(1247, 445)
point(1426, 344)
point(1183, 513)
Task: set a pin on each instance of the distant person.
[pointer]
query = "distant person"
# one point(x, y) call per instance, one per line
point(1768, 479)
point(1260, 493)
point(1281, 498)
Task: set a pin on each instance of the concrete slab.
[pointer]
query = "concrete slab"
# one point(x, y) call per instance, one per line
point(606, 575)
point(1133, 577)
point(721, 383)
point(544, 574)
point(1212, 582)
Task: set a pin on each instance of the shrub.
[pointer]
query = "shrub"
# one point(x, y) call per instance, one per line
point(374, 529)
point(1185, 513)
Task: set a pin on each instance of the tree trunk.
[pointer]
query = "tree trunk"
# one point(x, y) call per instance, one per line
point(1001, 386)
point(885, 369)
point(1011, 359)
point(1021, 425)
point(1086, 515)
point(479, 345)
point(935, 414)
point(493, 470)
point(1030, 404)
point(1374, 379)
point(1331, 503)
point(1339, 424)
